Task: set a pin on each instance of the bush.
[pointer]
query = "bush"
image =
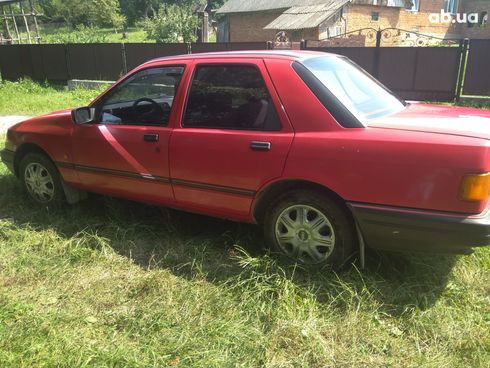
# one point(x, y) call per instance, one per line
point(173, 23)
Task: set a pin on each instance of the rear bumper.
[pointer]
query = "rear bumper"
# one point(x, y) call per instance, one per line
point(391, 228)
point(8, 159)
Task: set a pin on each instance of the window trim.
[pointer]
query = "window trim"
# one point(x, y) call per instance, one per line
point(224, 64)
point(99, 103)
point(451, 9)
point(416, 6)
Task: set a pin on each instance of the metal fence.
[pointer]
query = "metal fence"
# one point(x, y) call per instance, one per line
point(414, 73)
point(430, 69)
point(434, 73)
point(107, 61)
point(477, 76)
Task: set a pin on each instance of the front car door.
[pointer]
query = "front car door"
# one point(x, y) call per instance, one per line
point(125, 151)
point(233, 138)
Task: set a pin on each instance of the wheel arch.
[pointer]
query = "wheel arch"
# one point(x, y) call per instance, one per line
point(267, 195)
point(25, 149)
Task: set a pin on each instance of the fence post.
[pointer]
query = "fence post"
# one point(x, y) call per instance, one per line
point(464, 47)
point(302, 45)
point(377, 51)
point(123, 55)
point(269, 45)
point(68, 62)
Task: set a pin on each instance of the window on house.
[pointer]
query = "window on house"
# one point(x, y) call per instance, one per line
point(396, 3)
point(451, 6)
point(230, 97)
point(375, 16)
point(413, 5)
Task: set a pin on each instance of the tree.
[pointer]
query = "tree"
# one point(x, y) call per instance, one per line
point(135, 10)
point(174, 23)
point(216, 4)
point(91, 13)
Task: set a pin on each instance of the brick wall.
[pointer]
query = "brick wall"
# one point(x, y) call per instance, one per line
point(359, 16)
point(476, 31)
point(250, 26)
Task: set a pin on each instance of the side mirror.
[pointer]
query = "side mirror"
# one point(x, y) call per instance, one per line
point(83, 115)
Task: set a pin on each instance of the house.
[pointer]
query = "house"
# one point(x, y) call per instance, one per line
point(261, 20)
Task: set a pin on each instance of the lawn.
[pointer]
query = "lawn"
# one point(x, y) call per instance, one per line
point(66, 34)
point(112, 283)
point(41, 98)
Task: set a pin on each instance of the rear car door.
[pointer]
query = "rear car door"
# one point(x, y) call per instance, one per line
point(125, 151)
point(233, 138)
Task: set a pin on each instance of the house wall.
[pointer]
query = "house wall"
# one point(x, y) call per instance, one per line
point(359, 16)
point(249, 27)
point(476, 31)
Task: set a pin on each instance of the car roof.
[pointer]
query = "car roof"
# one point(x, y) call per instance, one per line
point(259, 54)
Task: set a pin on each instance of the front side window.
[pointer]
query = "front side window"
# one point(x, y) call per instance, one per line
point(230, 97)
point(146, 98)
point(361, 94)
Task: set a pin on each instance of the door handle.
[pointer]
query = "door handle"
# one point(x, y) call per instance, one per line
point(260, 146)
point(151, 137)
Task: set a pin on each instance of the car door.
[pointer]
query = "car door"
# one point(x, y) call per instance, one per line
point(233, 138)
point(125, 151)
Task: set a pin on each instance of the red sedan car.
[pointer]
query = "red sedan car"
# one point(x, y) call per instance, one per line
point(305, 143)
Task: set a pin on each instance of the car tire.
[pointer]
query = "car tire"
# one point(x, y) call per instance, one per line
point(311, 229)
point(41, 180)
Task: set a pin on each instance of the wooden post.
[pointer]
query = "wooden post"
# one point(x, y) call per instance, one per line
point(205, 20)
point(377, 52)
point(36, 26)
point(464, 45)
point(19, 40)
point(29, 40)
point(7, 28)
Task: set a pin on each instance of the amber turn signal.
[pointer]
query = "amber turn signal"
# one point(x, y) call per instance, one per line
point(476, 187)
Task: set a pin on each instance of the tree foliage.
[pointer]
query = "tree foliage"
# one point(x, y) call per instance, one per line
point(135, 10)
point(90, 13)
point(174, 23)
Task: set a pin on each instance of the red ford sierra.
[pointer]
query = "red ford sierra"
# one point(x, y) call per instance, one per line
point(307, 144)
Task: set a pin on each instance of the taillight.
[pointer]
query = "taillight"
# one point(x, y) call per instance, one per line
point(475, 187)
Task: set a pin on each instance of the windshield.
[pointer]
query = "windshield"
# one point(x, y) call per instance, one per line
point(360, 93)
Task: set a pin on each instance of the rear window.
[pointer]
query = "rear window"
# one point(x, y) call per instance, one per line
point(356, 90)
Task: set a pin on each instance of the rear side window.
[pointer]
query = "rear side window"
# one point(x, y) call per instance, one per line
point(230, 97)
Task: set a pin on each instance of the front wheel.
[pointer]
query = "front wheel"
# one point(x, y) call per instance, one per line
point(41, 179)
point(311, 229)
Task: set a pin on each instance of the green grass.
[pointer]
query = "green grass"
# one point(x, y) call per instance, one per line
point(113, 283)
point(30, 98)
point(480, 103)
point(65, 34)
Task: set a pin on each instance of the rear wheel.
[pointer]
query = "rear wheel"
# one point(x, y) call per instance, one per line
point(41, 179)
point(310, 228)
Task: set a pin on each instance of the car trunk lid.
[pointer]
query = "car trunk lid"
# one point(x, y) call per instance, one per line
point(441, 119)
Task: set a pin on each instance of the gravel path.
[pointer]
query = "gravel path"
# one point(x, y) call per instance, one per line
point(8, 121)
